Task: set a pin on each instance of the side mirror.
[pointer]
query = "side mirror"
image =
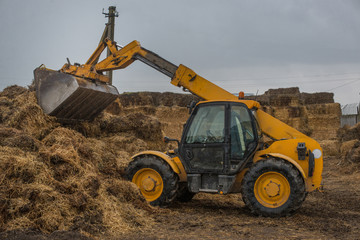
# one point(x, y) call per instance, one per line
point(167, 140)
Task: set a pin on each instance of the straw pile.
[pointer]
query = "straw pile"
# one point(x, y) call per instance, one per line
point(167, 108)
point(58, 177)
point(350, 147)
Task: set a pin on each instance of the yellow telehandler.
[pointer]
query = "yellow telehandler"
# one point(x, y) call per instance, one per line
point(222, 149)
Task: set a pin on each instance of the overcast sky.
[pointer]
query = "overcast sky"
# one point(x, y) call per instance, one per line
point(248, 45)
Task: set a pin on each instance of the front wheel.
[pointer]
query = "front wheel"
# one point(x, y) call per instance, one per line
point(273, 188)
point(156, 180)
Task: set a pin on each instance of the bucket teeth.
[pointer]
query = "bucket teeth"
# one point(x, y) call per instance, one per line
point(71, 98)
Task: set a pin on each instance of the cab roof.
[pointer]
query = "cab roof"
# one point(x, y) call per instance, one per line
point(249, 103)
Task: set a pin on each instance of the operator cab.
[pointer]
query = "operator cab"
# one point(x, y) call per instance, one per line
point(218, 140)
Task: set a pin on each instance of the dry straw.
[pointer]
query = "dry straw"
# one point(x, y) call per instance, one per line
point(70, 177)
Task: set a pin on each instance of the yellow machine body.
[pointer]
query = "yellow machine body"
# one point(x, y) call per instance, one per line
point(285, 149)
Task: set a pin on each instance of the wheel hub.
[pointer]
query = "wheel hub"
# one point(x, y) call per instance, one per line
point(149, 184)
point(272, 189)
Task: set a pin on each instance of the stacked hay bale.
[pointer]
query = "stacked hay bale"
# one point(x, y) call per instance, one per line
point(313, 114)
point(70, 177)
point(324, 120)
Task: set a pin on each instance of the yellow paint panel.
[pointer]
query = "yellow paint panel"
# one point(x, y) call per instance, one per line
point(175, 165)
point(275, 128)
point(187, 78)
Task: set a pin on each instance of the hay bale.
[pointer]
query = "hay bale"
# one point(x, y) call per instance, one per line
point(314, 114)
point(172, 123)
point(156, 99)
point(324, 109)
point(330, 147)
point(324, 119)
point(117, 109)
point(282, 91)
point(317, 98)
point(324, 127)
point(284, 100)
point(288, 113)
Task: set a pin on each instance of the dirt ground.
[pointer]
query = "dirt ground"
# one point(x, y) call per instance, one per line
point(331, 214)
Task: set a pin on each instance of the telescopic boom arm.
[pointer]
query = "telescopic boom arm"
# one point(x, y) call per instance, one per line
point(181, 76)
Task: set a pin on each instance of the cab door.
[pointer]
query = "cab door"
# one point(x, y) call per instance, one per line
point(204, 147)
point(243, 136)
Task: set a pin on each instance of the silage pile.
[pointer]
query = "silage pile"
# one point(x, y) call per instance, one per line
point(70, 177)
point(170, 109)
point(350, 147)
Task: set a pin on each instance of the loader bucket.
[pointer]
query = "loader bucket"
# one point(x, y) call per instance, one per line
point(71, 98)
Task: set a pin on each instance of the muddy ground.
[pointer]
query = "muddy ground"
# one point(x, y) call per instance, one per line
point(331, 214)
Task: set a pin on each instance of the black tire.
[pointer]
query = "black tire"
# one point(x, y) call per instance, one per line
point(184, 195)
point(168, 176)
point(297, 191)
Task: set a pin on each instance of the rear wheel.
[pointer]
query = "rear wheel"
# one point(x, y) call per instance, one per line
point(273, 188)
point(156, 180)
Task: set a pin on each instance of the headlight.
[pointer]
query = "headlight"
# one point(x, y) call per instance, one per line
point(317, 153)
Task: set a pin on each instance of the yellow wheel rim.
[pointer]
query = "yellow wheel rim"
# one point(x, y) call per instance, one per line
point(150, 183)
point(272, 189)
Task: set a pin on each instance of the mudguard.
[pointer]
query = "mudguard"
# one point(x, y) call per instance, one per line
point(174, 163)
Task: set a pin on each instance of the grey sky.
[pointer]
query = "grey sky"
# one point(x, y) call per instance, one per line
point(244, 45)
